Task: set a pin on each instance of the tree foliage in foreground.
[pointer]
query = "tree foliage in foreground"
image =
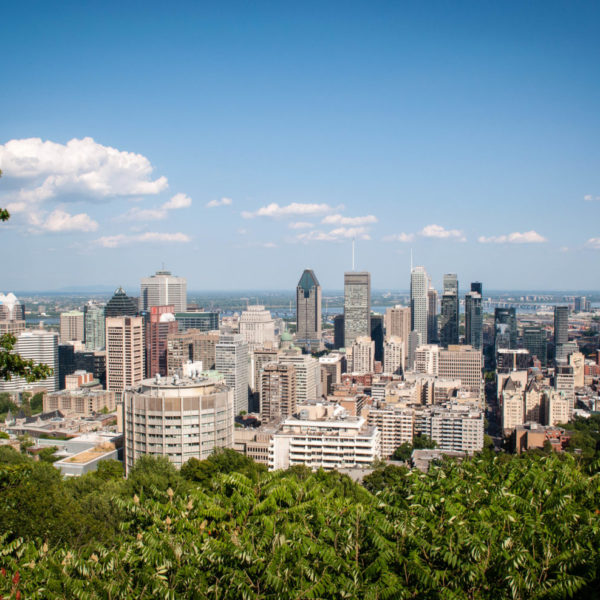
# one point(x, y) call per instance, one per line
point(490, 527)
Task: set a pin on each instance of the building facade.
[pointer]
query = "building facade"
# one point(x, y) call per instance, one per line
point(124, 352)
point(72, 327)
point(308, 312)
point(277, 391)
point(257, 327)
point(357, 306)
point(162, 289)
point(419, 286)
point(177, 418)
point(232, 361)
point(95, 327)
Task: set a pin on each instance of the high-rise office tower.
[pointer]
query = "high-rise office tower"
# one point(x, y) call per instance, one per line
point(160, 323)
point(191, 345)
point(201, 320)
point(580, 304)
point(477, 286)
point(474, 317)
point(393, 355)
point(308, 374)
point(432, 315)
point(561, 325)
point(363, 355)
point(398, 323)
point(162, 289)
point(505, 328)
point(450, 311)
point(257, 327)
point(419, 286)
point(41, 346)
point(11, 308)
point(94, 326)
point(357, 306)
point(232, 361)
point(71, 327)
point(124, 352)
point(308, 312)
point(277, 391)
point(534, 340)
point(377, 335)
point(121, 305)
point(338, 331)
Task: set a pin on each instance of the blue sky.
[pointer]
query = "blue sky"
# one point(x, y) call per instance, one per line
point(467, 131)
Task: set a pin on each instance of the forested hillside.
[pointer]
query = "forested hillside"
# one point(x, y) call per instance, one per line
point(491, 527)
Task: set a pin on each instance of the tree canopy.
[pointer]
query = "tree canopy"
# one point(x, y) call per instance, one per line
point(489, 527)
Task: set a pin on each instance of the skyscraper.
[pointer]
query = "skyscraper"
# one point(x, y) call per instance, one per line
point(257, 327)
point(277, 391)
point(450, 316)
point(124, 352)
point(338, 331)
point(393, 355)
point(94, 326)
point(398, 323)
point(41, 346)
point(308, 312)
point(561, 325)
point(432, 315)
point(534, 340)
point(121, 305)
point(357, 306)
point(419, 285)
point(477, 286)
point(71, 327)
point(474, 317)
point(160, 323)
point(162, 289)
point(232, 361)
point(505, 328)
point(377, 335)
point(363, 355)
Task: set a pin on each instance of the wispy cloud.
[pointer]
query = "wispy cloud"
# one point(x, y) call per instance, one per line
point(335, 235)
point(159, 213)
point(439, 232)
point(294, 209)
point(400, 237)
point(301, 225)
point(113, 241)
point(338, 219)
point(590, 198)
point(221, 202)
point(59, 221)
point(593, 243)
point(527, 237)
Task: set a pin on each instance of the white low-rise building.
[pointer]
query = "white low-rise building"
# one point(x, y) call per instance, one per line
point(324, 437)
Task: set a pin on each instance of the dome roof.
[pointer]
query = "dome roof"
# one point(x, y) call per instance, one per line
point(286, 336)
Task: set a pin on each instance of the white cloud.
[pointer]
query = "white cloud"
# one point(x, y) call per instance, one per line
point(221, 202)
point(273, 210)
point(593, 243)
point(59, 220)
point(399, 237)
point(564, 248)
point(81, 167)
point(157, 214)
point(300, 225)
point(177, 201)
point(590, 198)
point(437, 231)
point(112, 241)
point(338, 219)
point(527, 237)
point(335, 235)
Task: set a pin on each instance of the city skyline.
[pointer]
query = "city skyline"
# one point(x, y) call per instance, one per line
point(466, 134)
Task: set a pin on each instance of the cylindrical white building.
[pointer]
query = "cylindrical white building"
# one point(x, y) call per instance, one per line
point(177, 418)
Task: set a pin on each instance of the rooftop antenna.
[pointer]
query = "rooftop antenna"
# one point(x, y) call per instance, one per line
point(353, 241)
